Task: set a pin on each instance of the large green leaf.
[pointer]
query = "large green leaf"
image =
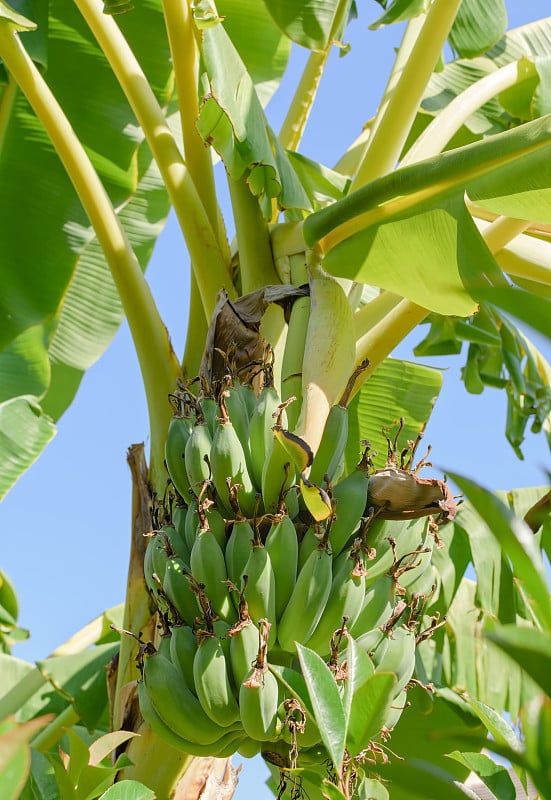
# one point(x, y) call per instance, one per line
point(518, 544)
point(24, 432)
point(313, 23)
point(231, 118)
point(398, 11)
point(396, 389)
point(419, 211)
point(479, 24)
point(530, 648)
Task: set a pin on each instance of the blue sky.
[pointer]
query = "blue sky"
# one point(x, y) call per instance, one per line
point(65, 525)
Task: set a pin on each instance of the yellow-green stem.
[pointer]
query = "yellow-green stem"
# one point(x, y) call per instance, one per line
point(211, 268)
point(184, 50)
point(256, 264)
point(374, 312)
point(298, 112)
point(157, 362)
point(378, 342)
point(436, 136)
point(53, 732)
point(502, 230)
point(7, 100)
point(397, 113)
point(197, 327)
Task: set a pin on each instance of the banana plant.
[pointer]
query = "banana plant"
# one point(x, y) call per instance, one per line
point(297, 582)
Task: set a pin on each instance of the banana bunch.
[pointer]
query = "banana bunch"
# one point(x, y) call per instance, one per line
point(266, 542)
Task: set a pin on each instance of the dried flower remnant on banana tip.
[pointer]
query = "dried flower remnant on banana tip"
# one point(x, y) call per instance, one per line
point(397, 493)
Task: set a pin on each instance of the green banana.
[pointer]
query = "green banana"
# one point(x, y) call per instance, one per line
point(309, 542)
point(177, 541)
point(229, 464)
point(238, 549)
point(208, 410)
point(259, 695)
point(377, 606)
point(191, 524)
point(209, 568)
point(179, 431)
point(249, 748)
point(291, 366)
point(345, 598)
point(176, 704)
point(212, 681)
point(183, 646)
point(222, 747)
point(243, 651)
point(278, 475)
point(209, 518)
point(260, 427)
point(398, 705)
point(407, 537)
point(177, 589)
point(282, 548)
point(258, 704)
point(239, 416)
point(329, 457)
point(307, 602)
point(349, 496)
point(156, 556)
point(198, 446)
point(261, 588)
point(399, 656)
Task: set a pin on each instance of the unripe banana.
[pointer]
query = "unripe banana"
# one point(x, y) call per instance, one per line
point(310, 542)
point(191, 524)
point(209, 567)
point(398, 705)
point(212, 682)
point(377, 606)
point(249, 748)
point(249, 397)
point(291, 368)
point(260, 428)
point(222, 747)
point(183, 646)
point(176, 704)
point(239, 416)
point(177, 541)
point(238, 550)
point(209, 411)
point(399, 656)
point(228, 461)
point(407, 537)
point(243, 651)
point(258, 703)
point(307, 602)
point(260, 593)
point(345, 599)
point(177, 589)
point(350, 496)
point(209, 518)
point(179, 431)
point(278, 475)
point(198, 446)
point(331, 450)
point(374, 643)
point(282, 548)
point(156, 555)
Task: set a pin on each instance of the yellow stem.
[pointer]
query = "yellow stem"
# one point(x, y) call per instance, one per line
point(298, 112)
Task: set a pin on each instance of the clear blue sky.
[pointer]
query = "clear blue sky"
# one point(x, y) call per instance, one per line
point(65, 525)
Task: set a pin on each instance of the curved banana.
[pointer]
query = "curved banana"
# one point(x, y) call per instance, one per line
point(212, 681)
point(243, 651)
point(196, 456)
point(399, 656)
point(349, 496)
point(307, 602)
point(345, 599)
point(179, 431)
point(377, 607)
point(229, 465)
point(260, 427)
point(259, 695)
point(261, 588)
point(183, 646)
point(278, 475)
point(221, 748)
point(282, 548)
point(238, 550)
point(329, 458)
point(177, 589)
point(176, 704)
point(209, 568)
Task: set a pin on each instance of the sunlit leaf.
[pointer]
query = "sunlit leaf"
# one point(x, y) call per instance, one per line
point(517, 542)
point(24, 432)
point(479, 24)
point(370, 705)
point(326, 703)
point(494, 776)
point(128, 790)
point(312, 24)
point(530, 648)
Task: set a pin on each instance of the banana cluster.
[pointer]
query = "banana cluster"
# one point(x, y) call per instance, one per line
point(241, 570)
